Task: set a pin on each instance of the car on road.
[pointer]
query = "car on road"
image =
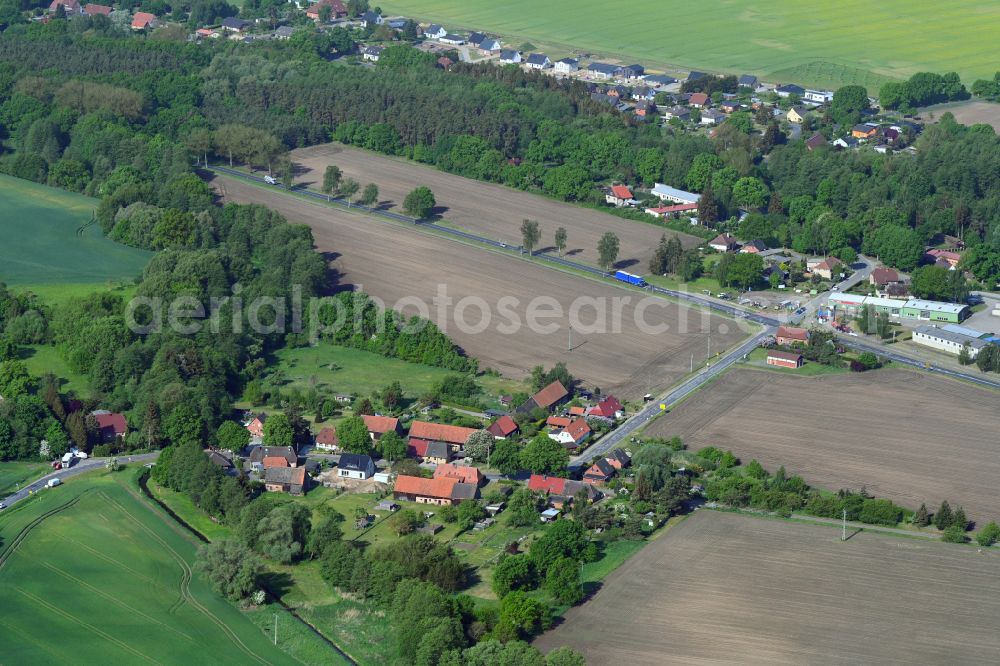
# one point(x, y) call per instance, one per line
point(800, 311)
point(52, 483)
point(2, 506)
point(270, 180)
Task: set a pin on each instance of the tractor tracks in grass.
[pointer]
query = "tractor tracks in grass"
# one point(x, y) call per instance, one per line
point(16, 542)
point(185, 584)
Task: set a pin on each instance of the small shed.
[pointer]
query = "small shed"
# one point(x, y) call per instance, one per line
point(549, 515)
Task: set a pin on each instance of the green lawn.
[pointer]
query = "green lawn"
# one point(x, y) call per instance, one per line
point(827, 44)
point(13, 473)
point(48, 239)
point(42, 359)
point(758, 359)
point(102, 577)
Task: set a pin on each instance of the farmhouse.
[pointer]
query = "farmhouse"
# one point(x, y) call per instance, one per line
point(550, 396)
point(110, 425)
point(573, 435)
point(144, 20)
point(379, 425)
point(567, 65)
point(815, 141)
point(667, 193)
point(291, 480)
point(784, 359)
point(90, 9)
point(609, 408)
point(454, 436)
point(724, 243)
point(880, 277)
point(791, 335)
point(441, 491)
point(618, 196)
point(256, 425)
point(503, 427)
point(326, 440)
point(559, 491)
point(538, 61)
point(464, 473)
point(824, 267)
point(949, 339)
point(435, 453)
point(756, 246)
point(271, 454)
point(510, 57)
point(698, 100)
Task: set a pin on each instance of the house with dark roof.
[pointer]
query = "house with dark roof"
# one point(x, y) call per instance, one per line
point(789, 89)
point(632, 71)
point(233, 24)
point(435, 31)
point(259, 453)
point(696, 76)
point(372, 53)
point(567, 65)
point(783, 359)
point(659, 80)
point(510, 57)
point(600, 472)
point(489, 46)
point(291, 480)
point(222, 461)
point(550, 396)
point(355, 466)
point(755, 246)
point(602, 70)
point(712, 117)
point(284, 32)
point(503, 427)
point(748, 81)
point(476, 38)
point(370, 18)
point(538, 61)
point(454, 40)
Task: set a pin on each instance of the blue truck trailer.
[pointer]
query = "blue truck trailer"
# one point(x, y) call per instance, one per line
point(631, 279)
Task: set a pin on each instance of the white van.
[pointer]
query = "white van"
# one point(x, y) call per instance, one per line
point(52, 483)
point(270, 180)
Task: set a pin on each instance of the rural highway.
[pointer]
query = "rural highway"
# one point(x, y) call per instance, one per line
point(668, 399)
point(88, 465)
point(687, 297)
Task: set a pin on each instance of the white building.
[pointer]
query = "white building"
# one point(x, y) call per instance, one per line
point(567, 65)
point(355, 466)
point(667, 193)
point(948, 339)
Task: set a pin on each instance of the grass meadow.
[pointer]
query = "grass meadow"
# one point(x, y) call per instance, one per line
point(47, 241)
point(821, 44)
point(90, 573)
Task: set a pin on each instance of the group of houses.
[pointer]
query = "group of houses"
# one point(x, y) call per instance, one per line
point(73, 8)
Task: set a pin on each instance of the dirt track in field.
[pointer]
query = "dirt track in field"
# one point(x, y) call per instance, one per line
point(493, 211)
point(728, 589)
point(393, 262)
point(905, 435)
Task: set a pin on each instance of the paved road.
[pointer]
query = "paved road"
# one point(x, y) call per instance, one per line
point(687, 297)
point(88, 465)
point(669, 399)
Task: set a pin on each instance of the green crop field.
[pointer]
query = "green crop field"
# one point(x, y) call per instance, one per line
point(90, 573)
point(821, 44)
point(44, 245)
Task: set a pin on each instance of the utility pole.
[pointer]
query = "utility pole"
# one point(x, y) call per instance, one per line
point(843, 533)
point(275, 628)
point(692, 362)
point(569, 342)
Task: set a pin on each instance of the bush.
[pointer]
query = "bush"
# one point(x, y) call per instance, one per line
point(880, 512)
point(988, 535)
point(955, 534)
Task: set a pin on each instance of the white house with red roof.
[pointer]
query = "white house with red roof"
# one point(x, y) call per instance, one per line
point(609, 408)
point(573, 435)
point(620, 195)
